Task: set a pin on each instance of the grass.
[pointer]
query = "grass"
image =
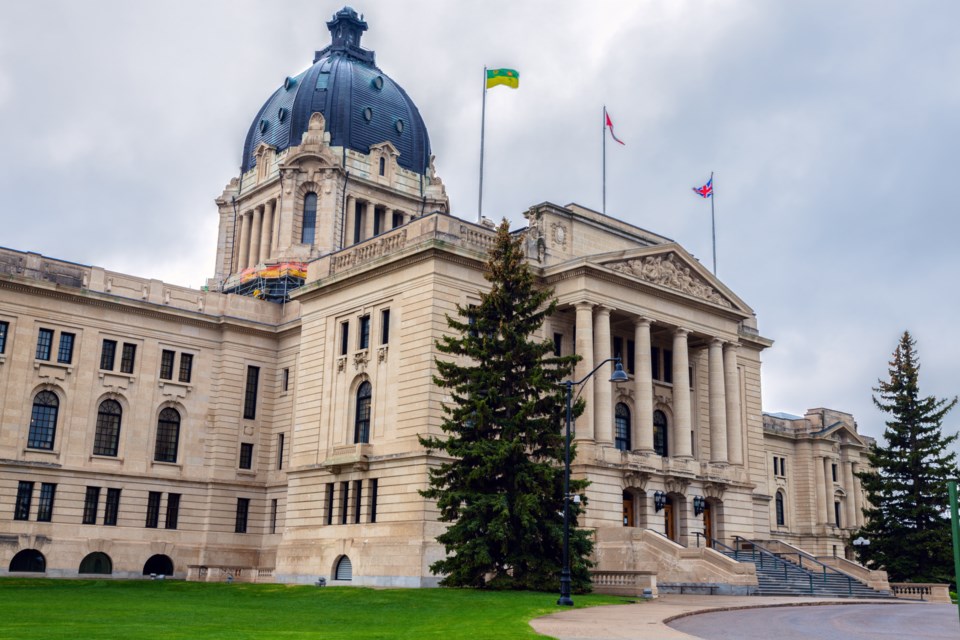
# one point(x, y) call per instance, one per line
point(148, 609)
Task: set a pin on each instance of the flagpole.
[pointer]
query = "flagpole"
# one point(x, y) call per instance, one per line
point(713, 222)
point(483, 121)
point(604, 135)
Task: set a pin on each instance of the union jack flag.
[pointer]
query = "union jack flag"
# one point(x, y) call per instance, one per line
point(706, 190)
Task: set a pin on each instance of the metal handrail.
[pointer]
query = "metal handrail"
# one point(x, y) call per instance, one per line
point(799, 564)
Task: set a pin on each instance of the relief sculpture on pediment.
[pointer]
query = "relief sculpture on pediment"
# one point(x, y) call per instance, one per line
point(670, 272)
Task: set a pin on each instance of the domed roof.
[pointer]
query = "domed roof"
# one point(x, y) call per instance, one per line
point(361, 104)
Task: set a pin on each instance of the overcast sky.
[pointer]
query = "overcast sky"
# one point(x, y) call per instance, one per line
point(832, 128)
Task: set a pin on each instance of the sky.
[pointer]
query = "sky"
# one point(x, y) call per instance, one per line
point(831, 129)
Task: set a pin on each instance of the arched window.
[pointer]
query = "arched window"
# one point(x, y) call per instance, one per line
point(97, 562)
point(361, 425)
point(107, 437)
point(660, 433)
point(781, 519)
point(158, 564)
point(622, 425)
point(344, 570)
point(43, 420)
point(309, 218)
point(383, 165)
point(29, 560)
point(168, 436)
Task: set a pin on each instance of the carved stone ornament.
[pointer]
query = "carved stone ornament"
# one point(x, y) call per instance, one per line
point(360, 359)
point(714, 490)
point(635, 480)
point(341, 363)
point(676, 485)
point(669, 271)
point(382, 354)
point(559, 234)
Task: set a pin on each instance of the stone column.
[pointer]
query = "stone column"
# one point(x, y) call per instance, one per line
point(368, 212)
point(818, 490)
point(682, 446)
point(266, 235)
point(275, 234)
point(255, 228)
point(732, 389)
point(849, 503)
point(857, 496)
point(584, 349)
point(602, 387)
point(828, 489)
point(718, 403)
point(244, 255)
point(349, 216)
point(642, 387)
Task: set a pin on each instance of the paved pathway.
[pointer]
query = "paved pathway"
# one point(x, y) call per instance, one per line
point(647, 620)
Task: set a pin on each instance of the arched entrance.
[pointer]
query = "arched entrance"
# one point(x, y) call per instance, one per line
point(629, 513)
point(158, 564)
point(97, 562)
point(708, 524)
point(669, 519)
point(344, 570)
point(28, 561)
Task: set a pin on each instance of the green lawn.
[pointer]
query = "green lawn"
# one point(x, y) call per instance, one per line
point(148, 609)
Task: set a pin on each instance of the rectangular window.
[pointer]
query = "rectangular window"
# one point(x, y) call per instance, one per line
point(166, 364)
point(273, 515)
point(250, 394)
point(357, 223)
point(286, 379)
point(329, 505)
point(243, 511)
point(153, 510)
point(24, 494)
point(4, 326)
point(783, 466)
point(108, 352)
point(246, 455)
point(44, 343)
point(834, 470)
point(836, 514)
point(344, 501)
point(45, 503)
point(384, 327)
point(363, 338)
point(397, 219)
point(618, 349)
point(655, 363)
point(173, 510)
point(631, 349)
point(280, 442)
point(112, 507)
point(344, 338)
point(65, 352)
point(668, 366)
point(186, 367)
point(91, 502)
point(558, 344)
point(376, 218)
point(357, 499)
point(373, 499)
point(128, 358)
point(776, 466)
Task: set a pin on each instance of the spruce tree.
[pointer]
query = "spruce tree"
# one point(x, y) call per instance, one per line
point(501, 488)
point(908, 520)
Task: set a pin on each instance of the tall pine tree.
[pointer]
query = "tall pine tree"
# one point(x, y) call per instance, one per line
point(908, 522)
point(502, 488)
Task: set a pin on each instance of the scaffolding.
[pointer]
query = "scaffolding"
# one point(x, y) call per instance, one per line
point(271, 282)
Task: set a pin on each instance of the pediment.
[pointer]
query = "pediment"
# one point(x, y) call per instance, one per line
point(671, 267)
point(844, 434)
point(386, 148)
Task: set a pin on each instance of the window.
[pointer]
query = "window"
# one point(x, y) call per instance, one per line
point(377, 212)
point(358, 222)
point(776, 466)
point(779, 466)
point(618, 348)
point(4, 326)
point(329, 513)
point(781, 520)
point(668, 366)
point(173, 510)
point(622, 426)
point(357, 499)
point(397, 219)
point(558, 344)
point(286, 379)
point(153, 510)
point(383, 165)
point(361, 426)
point(783, 466)
point(128, 358)
point(373, 499)
point(308, 230)
point(273, 515)
point(631, 355)
point(186, 367)
point(250, 394)
point(836, 513)
point(243, 511)
point(246, 455)
point(655, 363)
point(660, 443)
point(91, 502)
point(833, 469)
point(168, 436)
point(43, 420)
point(44, 343)
point(385, 326)
point(21, 510)
point(166, 364)
point(108, 351)
point(106, 439)
point(45, 504)
point(344, 501)
point(344, 338)
point(65, 352)
point(280, 442)
point(112, 507)
point(363, 339)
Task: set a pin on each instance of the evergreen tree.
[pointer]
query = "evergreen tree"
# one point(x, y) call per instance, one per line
point(908, 522)
point(502, 488)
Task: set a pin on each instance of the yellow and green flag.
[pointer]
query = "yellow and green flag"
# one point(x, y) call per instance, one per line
point(509, 77)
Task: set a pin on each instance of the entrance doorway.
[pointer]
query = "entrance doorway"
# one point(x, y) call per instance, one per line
point(708, 524)
point(629, 517)
point(670, 526)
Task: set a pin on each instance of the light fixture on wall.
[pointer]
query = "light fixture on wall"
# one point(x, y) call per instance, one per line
point(659, 501)
point(699, 505)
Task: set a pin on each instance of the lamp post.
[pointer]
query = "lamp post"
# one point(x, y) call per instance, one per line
point(619, 375)
point(859, 544)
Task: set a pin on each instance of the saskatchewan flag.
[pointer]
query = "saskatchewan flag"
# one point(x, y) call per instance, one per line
point(509, 77)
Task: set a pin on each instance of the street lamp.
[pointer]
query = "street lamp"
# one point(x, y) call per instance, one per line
point(860, 543)
point(619, 375)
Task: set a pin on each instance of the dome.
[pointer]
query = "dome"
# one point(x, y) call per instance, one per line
point(361, 104)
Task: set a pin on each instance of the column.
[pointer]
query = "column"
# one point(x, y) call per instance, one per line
point(682, 446)
point(244, 254)
point(849, 503)
point(602, 387)
point(275, 234)
point(857, 496)
point(369, 211)
point(718, 403)
point(818, 491)
point(266, 234)
point(255, 228)
point(642, 387)
point(828, 489)
point(584, 349)
point(732, 388)
point(349, 215)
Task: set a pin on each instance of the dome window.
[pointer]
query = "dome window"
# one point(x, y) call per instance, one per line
point(368, 114)
point(262, 127)
point(398, 125)
point(281, 114)
point(289, 83)
point(377, 83)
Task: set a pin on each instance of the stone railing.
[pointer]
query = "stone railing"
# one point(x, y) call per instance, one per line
point(206, 573)
point(921, 591)
point(624, 583)
point(369, 250)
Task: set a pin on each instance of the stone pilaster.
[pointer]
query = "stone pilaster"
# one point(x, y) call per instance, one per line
point(732, 388)
point(718, 403)
point(820, 481)
point(682, 446)
point(827, 489)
